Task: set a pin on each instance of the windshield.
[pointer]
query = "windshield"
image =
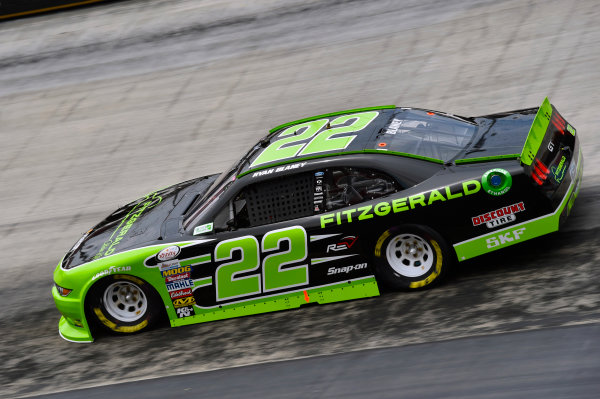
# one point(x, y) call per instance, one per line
point(425, 133)
point(207, 202)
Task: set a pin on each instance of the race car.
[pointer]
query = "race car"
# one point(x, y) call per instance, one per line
point(324, 209)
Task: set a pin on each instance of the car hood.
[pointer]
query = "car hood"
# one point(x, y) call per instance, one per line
point(137, 223)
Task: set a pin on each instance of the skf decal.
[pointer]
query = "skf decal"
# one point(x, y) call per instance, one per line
point(345, 269)
point(499, 216)
point(345, 243)
point(401, 204)
point(504, 238)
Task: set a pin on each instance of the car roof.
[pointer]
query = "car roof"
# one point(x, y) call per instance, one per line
point(372, 136)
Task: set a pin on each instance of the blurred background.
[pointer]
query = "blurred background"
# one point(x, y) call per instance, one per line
point(104, 103)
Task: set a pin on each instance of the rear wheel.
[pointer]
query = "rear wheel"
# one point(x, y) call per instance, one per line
point(411, 256)
point(124, 304)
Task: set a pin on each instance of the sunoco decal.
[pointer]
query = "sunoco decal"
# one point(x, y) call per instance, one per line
point(499, 216)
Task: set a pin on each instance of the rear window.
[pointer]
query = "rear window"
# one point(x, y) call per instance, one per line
point(425, 134)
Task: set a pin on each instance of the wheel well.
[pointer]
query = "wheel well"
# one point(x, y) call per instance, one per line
point(92, 321)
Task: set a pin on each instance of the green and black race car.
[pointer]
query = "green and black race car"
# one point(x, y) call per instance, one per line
point(321, 210)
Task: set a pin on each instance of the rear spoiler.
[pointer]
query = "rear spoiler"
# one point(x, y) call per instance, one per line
point(549, 147)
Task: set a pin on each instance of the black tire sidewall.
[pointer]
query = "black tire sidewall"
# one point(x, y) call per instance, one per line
point(97, 309)
point(393, 279)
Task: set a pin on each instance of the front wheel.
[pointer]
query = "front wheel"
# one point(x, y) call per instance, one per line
point(411, 256)
point(124, 304)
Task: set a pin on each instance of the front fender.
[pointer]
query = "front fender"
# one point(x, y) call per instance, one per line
point(73, 325)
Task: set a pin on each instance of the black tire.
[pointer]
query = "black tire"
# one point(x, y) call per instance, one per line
point(124, 304)
point(411, 257)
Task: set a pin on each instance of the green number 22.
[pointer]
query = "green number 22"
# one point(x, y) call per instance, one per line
point(229, 283)
point(325, 140)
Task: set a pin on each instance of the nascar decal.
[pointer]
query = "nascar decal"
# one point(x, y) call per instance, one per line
point(398, 205)
point(499, 216)
point(315, 137)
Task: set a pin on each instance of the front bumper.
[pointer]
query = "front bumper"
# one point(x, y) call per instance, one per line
point(72, 325)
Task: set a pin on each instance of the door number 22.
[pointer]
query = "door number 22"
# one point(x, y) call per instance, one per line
point(228, 280)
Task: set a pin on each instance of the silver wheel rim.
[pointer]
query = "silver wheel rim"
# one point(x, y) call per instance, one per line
point(409, 255)
point(125, 301)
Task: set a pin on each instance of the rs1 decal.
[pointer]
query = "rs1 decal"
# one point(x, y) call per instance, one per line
point(297, 143)
point(234, 279)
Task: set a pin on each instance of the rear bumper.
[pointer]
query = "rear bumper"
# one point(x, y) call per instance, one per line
point(529, 229)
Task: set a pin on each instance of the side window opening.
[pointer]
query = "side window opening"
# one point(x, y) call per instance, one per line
point(306, 194)
point(349, 186)
point(279, 199)
point(271, 201)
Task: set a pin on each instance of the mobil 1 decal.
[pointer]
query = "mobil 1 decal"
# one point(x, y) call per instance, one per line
point(499, 216)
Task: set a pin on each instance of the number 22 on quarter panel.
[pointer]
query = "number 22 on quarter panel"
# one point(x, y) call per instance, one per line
point(275, 278)
point(229, 283)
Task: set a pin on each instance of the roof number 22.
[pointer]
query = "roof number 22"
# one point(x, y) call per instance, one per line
point(331, 139)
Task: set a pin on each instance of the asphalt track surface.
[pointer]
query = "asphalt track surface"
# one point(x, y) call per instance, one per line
point(101, 105)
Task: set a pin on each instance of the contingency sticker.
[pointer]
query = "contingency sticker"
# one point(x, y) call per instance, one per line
point(205, 228)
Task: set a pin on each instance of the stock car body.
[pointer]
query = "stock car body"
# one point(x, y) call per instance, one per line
point(321, 210)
